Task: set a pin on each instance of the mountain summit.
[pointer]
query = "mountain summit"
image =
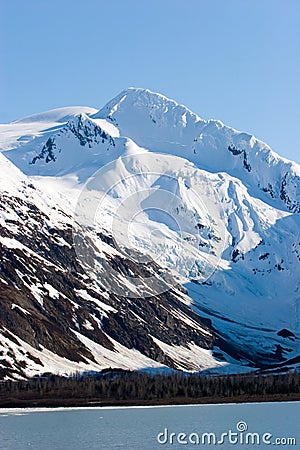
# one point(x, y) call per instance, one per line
point(141, 235)
point(161, 125)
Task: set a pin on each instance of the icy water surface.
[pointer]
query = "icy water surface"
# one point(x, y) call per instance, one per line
point(231, 426)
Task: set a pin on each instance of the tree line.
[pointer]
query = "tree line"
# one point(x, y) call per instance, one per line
point(122, 387)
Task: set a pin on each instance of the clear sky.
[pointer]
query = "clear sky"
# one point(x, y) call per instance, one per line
point(234, 60)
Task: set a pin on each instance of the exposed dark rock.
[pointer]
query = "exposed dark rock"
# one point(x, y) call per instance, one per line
point(236, 255)
point(286, 333)
point(236, 152)
point(47, 152)
point(88, 133)
point(264, 256)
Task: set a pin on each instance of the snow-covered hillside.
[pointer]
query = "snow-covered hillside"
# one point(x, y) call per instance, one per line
point(162, 125)
point(174, 200)
point(58, 315)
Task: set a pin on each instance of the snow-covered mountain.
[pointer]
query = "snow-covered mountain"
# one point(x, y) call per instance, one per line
point(157, 123)
point(141, 235)
point(58, 315)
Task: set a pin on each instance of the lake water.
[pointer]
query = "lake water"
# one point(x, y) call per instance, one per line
point(236, 426)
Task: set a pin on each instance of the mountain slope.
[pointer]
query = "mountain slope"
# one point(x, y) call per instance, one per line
point(58, 316)
point(216, 210)
point(155, 122)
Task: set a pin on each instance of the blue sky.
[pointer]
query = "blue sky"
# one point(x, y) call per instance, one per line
point(234, 60)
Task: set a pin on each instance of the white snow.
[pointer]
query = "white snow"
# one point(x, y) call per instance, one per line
point(203, 200)
point(15, 134)
point(200, 358)
point(86, 296)
point(11, 243)
point(121, 357)
point(14, 305)
point(53, 293)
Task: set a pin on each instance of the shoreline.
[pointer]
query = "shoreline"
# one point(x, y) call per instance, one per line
point(49, 404)
point(19, 411)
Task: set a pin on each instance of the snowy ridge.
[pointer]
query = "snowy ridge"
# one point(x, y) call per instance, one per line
point(207, 206)
point(162, 125)
point(15, 134)
point(58, 115)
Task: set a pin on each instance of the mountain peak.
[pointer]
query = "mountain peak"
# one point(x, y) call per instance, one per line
point(118, 202)
point(151, 119)
point(156, 123)
point(157, 106)
point(146, 95)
